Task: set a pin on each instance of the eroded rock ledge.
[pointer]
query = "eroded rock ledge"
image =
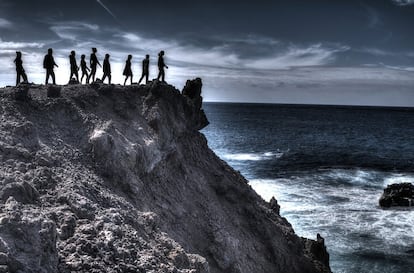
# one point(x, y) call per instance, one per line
point(106, 178)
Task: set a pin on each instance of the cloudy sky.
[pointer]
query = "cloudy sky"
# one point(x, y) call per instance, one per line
point(321, 51)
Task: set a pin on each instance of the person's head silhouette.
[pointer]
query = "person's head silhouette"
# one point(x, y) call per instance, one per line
point(72, 53)
point(50, 51)
point(18, 54)
point(83, 56)
point(129, 57)
point(107, 56)
point(94, 50)
point(161, 53)
point(147, 56)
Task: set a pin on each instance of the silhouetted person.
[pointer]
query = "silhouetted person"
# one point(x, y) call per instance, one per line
point(84, 68)
point(73, 66)
point(106, 69)
point(94, 62)
point(127, 70)
point(161, 66)
point(49, 64)
point(19, 68)
point(145, 69)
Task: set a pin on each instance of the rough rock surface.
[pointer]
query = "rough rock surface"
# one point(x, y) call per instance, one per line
point(104, 178)
point(401, 194)
point(316, 250)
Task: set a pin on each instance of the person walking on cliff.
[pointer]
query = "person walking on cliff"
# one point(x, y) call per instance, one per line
point(145, 69)
point(127, 70)
point(84, 69)
point(161, 65)
point(73, 66)
point(49, 64)
point(19, 68)
point(94, 62)
point(106, 69)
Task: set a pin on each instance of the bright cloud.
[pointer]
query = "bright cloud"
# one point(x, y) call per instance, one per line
point(294, 56)
point(403, 2)
point(5, 23)
point(218, 52)
point(226, 55)
point(18, 45)
point(73, 30)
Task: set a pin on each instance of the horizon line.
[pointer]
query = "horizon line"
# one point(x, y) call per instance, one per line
point(312, 104)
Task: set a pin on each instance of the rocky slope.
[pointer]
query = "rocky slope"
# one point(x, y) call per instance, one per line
point(118, 179)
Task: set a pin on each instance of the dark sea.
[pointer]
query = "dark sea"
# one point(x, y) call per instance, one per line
point(327, 166)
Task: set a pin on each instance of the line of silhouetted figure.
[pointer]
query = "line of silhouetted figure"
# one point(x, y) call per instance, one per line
point(49, 65)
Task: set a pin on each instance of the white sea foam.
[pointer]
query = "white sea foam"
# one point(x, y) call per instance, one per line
point(349, 217)
point(251, 156)
point(398, 178)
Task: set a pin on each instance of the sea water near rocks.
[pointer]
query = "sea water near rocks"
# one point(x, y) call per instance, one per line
point(327, 167)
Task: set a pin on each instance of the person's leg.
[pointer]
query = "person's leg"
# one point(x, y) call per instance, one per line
point(83, 75)
point(163, 75)
point(131, 78)
point(142, 76)
point(47, 76)
point(146, 78)
point(17, 78)
point(126, 78)
point(53, 76)
point(104, 77)
point(109, 78)
point(24, 77)
point(77, 75)
point(93, 74)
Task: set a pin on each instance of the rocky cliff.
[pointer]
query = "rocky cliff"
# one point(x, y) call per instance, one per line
point(105, 178)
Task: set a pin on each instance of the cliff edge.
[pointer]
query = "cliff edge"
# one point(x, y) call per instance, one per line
point(105, 178)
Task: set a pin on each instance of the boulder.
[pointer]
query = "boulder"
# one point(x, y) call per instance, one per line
point(401, 194)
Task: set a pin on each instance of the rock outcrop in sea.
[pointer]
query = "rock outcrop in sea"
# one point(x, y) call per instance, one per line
point(105, 178)
point(401, 194)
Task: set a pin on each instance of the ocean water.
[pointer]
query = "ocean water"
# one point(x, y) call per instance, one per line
point(327, 166)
